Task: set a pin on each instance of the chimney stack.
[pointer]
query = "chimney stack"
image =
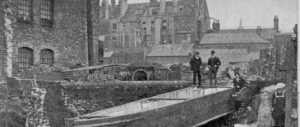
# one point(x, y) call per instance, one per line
point(113, 2)
point(216, 25)
point(175, 5)
point(124, 6)
point(106, 7)
point(259, 31)
point(276, 23)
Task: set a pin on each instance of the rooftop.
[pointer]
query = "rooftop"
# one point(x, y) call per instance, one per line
point(266, 33)
point(171, 50)
point(229, 55)
point(227, 38)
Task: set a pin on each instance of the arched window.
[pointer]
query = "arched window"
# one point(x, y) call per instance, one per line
point(47, 57)
point(25, 57)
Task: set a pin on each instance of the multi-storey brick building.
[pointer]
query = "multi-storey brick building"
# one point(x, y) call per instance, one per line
point(51, 32)
point(132, 26)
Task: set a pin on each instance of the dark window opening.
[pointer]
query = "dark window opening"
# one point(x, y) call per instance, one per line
point(181, 9)
point(114, 38)
point(143, 24)
point(47, 57)
point(154, 12)
point(47, 9)
point(25, 11)
point(114, 26)
point(25, 57)
point(140, 75)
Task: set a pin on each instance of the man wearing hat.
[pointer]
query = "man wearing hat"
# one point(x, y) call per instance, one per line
point(195, 64)
point(213, 65)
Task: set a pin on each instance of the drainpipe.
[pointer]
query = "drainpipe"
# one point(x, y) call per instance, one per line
point(90, 33)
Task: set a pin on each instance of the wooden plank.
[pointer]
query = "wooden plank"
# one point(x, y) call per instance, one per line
point(157, 99)
point(95, 67)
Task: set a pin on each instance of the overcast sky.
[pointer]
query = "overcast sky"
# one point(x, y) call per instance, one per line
point(251, 12)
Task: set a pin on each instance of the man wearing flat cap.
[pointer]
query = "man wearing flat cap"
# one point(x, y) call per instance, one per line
point(195, 64)
point(213, 65)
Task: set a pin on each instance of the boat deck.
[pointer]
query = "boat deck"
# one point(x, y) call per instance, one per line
point(155, 102)
point(186, 107)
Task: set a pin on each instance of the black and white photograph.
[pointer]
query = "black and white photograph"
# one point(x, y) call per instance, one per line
point(149, 63)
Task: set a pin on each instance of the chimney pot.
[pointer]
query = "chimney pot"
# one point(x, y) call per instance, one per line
point(276, 23)
point(216, 25)
point(259, 31)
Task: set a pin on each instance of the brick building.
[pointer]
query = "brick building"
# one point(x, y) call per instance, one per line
point(266, 33)
point(134, 26)
point(250, 42)
point(170, 53)
point(50, 32)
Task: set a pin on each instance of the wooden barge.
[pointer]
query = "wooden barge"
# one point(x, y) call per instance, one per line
point(182, 108)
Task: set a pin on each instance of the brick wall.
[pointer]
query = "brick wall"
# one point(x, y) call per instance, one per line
point(66, 37)
point(280, 44)
point(2, 46)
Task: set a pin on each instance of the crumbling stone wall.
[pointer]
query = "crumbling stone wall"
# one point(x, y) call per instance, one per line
point(268, 58)
point(36, 103)
point(66, 37)
point(280, 44)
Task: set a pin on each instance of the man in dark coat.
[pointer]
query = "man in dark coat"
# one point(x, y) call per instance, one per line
point(195, 64)
point(213, 65)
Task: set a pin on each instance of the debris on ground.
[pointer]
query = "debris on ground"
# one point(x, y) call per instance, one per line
point(258, 112)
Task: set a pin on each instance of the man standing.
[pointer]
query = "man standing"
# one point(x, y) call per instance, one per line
point(195, 64)
point(213, 65)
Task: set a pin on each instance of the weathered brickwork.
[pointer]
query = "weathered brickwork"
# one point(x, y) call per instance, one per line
point(281, 41)
point(131, 26)
point(67, 37)
point(2, 47)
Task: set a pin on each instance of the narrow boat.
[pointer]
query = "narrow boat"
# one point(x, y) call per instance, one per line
point(182, 108)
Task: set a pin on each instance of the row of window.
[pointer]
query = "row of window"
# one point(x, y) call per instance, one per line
point(26, 57)
point(25, 11)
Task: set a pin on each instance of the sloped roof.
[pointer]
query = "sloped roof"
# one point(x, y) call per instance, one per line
point(229, 55)
point(227, 38)
point(266, 33)
point(171, 50)
point(133, 11)
point(221, 51)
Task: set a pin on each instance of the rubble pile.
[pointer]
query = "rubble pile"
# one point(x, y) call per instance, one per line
point(266, 65)
point(82, 99)
point(34, 104)
point(42, 68)
point(268, 57)
point(250, 101)
point(23, 107)
point(158, 75)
